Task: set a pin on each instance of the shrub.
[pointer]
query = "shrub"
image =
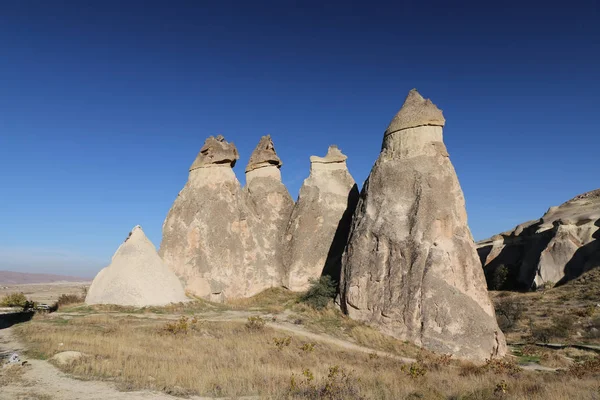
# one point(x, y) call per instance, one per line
point(508, 313)
point(182, 326)
point(339, 385)
point(499, 278)
point(320, 293)
point(255, 324)
point(414, 370)
point(282, 342)
point(308, 347)
point(14, 300)
point(586, 312)
point(589, 367)
point(66, 299)
point(496, 366)
point(562, 325)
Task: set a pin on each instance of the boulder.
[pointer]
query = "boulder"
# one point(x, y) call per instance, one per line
point(410, 267)
point(68, 357)
point(270, 206)
point(136, 277)
point(318, 228)
point(556, 248)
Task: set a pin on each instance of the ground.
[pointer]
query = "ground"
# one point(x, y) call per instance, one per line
point(274, 346)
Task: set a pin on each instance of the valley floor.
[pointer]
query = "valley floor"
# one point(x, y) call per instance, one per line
point(270, 346)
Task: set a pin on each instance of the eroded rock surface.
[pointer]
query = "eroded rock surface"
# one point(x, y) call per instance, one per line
point(206, 230)
point(222, 241)
point(320, 222)
point(410, 267)
point(558, 247)
point(136, 277)
point(270, 206)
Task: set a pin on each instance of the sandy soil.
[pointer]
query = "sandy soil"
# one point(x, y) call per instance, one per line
point(46, 293)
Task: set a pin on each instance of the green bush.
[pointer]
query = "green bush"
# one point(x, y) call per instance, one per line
point(320, 293)
point(499, 278)
point(14, 300)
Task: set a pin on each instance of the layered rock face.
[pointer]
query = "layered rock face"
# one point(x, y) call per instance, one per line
point(410, 266)
point(559, 247)
point(320, 222)
point(270, 206)
point(206, 230)
point(136, 277)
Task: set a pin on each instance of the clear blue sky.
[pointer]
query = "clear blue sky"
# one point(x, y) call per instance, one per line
point(105, 104)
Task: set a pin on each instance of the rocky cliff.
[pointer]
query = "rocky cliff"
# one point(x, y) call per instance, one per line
point(556, 248)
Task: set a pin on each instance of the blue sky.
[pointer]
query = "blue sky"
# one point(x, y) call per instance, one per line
point(104, 105)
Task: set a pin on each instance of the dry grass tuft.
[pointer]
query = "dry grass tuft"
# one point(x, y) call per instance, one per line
point(11, 374)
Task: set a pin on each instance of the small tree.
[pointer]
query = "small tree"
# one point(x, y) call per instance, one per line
point(14, 300)
point(320, 293)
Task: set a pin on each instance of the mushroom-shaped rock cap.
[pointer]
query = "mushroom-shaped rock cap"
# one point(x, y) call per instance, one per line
point(334, 155)
point(216, 151)
point(264, 155)
point(416, 111)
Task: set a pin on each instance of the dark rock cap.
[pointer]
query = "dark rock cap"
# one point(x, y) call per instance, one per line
point(216, 150)
point(264, 155)
point(416, 111)
point(334, 155)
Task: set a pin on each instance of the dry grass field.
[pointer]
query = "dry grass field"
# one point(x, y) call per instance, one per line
point(275, 346)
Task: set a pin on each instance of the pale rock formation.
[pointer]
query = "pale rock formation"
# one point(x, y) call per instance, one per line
point(206, 230)
point(410, 267)
point(136, 277)
point(222, 241)
point(318, 228)
point(559, 247)
point(270, 206)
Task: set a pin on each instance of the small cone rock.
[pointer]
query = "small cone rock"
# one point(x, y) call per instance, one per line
point(136, 277)
point(410, 266)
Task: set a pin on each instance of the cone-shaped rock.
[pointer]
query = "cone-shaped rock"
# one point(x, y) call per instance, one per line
point(319, 226)
point(270, 205)
point(136, 276)
point(410, 265)
point(206, 230)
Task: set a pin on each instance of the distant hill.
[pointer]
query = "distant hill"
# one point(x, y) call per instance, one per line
point(20, 278)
